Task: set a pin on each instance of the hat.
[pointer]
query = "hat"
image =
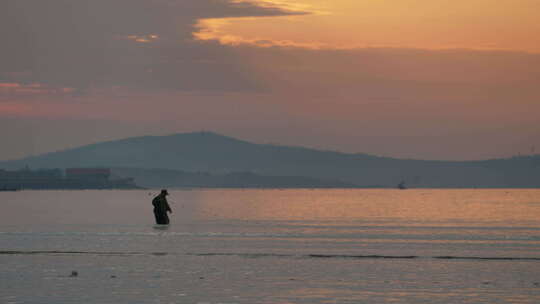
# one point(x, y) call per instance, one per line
point(164, 191)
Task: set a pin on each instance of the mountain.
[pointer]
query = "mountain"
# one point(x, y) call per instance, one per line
point(218, 154)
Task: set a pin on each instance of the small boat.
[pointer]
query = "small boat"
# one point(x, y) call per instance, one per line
point(402, 186)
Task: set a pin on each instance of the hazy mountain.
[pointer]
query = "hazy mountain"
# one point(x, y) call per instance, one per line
point(217, 154)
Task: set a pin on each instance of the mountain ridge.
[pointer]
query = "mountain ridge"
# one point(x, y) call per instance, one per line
point(216, 153)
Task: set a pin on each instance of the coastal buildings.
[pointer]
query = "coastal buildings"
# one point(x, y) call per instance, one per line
point(71, 178)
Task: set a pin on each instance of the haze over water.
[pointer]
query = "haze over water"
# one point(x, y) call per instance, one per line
point(272, 246)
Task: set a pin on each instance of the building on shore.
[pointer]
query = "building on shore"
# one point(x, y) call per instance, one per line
point(72, 178)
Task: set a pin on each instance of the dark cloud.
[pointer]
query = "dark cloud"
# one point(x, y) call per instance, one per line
point(143, 43)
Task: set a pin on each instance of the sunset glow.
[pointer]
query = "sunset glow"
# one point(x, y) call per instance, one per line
point(344, 24)
point(270, 151)
point(31, 89)
point(428, 79)
point(143, 38)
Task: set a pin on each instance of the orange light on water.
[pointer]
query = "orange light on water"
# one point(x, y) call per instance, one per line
point(415, 207)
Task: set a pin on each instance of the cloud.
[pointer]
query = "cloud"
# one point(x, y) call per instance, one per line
point(135, 62)
point(82, 44)
point(409, 76)
point(346, 24)
point(10, 89)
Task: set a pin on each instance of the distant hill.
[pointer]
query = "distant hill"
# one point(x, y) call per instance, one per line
point(217, 154)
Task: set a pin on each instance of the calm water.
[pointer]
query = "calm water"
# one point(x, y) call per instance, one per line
point(272, 246)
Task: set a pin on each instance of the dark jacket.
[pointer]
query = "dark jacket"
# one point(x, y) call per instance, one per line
point(160, 204)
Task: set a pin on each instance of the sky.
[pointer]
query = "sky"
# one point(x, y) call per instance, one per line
point(423, 79)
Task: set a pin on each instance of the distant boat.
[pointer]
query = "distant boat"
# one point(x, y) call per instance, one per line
point(402, 186)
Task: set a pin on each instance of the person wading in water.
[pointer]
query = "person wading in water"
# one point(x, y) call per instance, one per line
point(161, 207)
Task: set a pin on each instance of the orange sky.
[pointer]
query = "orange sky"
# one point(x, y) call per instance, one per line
point(426, 24)
point(429, 79)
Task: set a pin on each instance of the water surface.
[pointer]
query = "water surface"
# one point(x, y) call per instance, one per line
point(272, 246)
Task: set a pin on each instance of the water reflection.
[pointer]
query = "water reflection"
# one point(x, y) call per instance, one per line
point(485, 223)
point(275, 246)
point(339, 207)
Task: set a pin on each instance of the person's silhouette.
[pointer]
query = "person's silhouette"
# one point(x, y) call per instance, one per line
point(161, 207)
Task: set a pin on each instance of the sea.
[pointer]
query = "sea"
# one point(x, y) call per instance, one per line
point(272, 246)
